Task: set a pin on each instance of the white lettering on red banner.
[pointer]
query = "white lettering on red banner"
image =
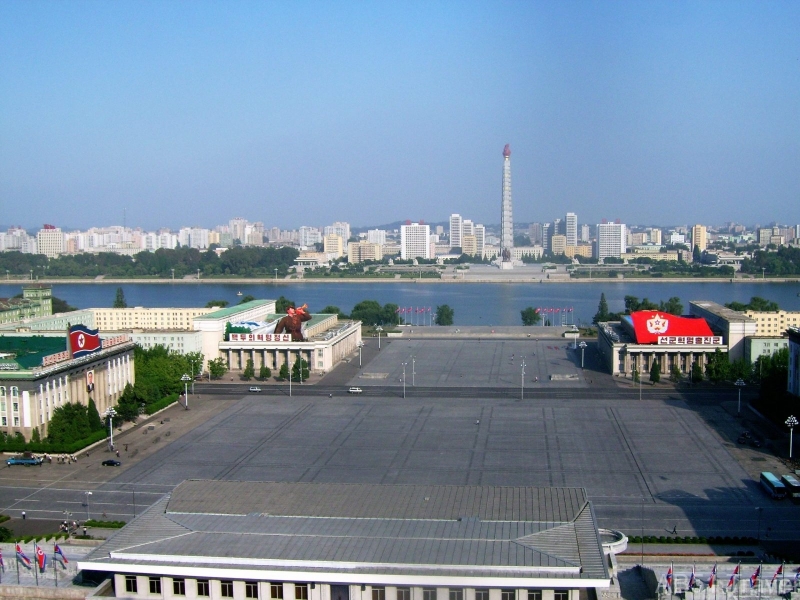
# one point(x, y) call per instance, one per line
point(52, 359)
point(115, 341)
point(689, 340)
point(260, 337)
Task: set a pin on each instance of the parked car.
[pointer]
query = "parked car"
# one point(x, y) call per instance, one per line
point(255, 388)
point(24, 460)
point(111, 463)
point(354, 390)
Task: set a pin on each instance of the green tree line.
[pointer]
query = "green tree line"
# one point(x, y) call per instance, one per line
point(239, 261)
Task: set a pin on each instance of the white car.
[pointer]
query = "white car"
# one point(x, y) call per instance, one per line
point(255, 388)
point(354, 390)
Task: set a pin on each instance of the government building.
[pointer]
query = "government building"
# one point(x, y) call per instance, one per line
point(325, 541)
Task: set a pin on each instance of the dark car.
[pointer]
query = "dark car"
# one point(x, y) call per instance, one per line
point(111, 463)
point(755, 443)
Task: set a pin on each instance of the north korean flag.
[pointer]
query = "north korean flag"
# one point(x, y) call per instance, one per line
point(41, 558)
point(22, 558)
point(83, 340)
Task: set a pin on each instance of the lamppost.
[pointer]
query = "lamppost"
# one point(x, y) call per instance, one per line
point(739, 383)
point(404, 379)
point(360, 346)
point(582, 346)
point(289, 369)
point(413, 372)
point(379, 329)
point(173, 274)
point(186, 379)
point(276, 276)
point(110, 414)
point(522, 380)
point(791, 423)
point(87, 504)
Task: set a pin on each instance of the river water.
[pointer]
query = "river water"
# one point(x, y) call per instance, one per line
point(472, 303)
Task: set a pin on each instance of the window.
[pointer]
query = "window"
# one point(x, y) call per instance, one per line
point(226, 589)
point(508, 594)
point(482, 594)
point(428, 593)
point(534, 594)
point(203, 587)
point(378, 593)
point(179, 587)
point(561, 595)
point(301, 591)
point(456, 594)
point(251, 589)
point(276, 591)
point(130, 584)
point(155, 585)
point(404, 593)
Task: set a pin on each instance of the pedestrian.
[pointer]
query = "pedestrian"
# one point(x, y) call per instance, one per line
point(23, 515)
point(126, 447)
point(675, 530)
point(84, 531)
point(117, 453)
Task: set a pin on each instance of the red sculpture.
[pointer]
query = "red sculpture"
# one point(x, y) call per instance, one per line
point(293, 322)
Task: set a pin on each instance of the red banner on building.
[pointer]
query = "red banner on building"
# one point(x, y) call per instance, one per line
point(650, 325)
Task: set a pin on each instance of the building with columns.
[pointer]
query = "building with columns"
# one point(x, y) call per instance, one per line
point(327, 541)
point(38, 374)
point(644, 337)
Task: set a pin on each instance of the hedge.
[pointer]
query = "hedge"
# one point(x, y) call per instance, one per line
point(729, 541)
point(42, 447)
point(105, 524)
point(163, 403)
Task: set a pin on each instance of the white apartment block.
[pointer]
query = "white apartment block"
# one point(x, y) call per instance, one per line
point(455, 231)
point(194, 237)
point(333, 245)
point(376, 236)
point(50, 241)
point(339, 228)
point(360, 251)
point(774, 323)
point(123, 319)
point(611, 240)
point(699, 237)
point(585, 233)
point(16, 239)
point(308, 236)
point(572, 229)
point(415, 241)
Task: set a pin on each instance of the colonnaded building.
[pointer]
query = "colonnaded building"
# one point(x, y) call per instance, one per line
point(325, 541)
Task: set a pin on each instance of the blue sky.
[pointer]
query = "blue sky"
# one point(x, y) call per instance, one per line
point(303, 113)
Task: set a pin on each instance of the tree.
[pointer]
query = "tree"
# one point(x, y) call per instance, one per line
point(215, 303)
point(696, 254)
point(756, 304)
point(61, 306)
point(119, 300)
point(718, 367)
point(655, 372)
point(249, 370)
point(281, 304)
point(635, 375)
point(264, 373)
point(675, 374)
point(296, 374)
point(217, 368)
point(602, 313)
point(672, 306)
point(283, 373)
point(530, 316)
point(247, 298)
point(194, 362)
point(697, 372)
point(444, 315)
point(95, 422)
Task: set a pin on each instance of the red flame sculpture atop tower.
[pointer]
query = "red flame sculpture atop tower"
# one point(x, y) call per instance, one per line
point(507, 151)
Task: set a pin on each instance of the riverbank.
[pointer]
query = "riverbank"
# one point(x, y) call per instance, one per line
point(500, 278)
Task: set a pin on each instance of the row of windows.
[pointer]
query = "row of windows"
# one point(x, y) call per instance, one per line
point(226, 588)
point(13, 390)
point(301, 590)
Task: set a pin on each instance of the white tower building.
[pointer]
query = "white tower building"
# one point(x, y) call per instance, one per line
point(572, 229)
point(506, 218)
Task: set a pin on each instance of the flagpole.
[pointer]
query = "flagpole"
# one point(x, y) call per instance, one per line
point(36, 561)
point(55, 568)
point(17, 561)
point(671, 583)
point(739, 583)
point(758, 581)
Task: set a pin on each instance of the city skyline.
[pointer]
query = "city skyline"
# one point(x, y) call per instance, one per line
point(654, 112)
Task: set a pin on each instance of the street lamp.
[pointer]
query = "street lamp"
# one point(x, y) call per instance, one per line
point(289, 369)
point(582, 346)
point(404, 379)
point(276, 276)
point(360, 346)
point(87, 504)
point(413, 372)
point(110, 414)
point(379, 329)
point(522, 379)
point(791, 423)
point(739, 383)
point(186, 379)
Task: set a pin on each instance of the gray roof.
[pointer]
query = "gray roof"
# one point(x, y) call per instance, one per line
point(464, 531)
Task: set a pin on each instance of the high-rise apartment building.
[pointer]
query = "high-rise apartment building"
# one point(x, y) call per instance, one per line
point(547, 233)
point(467, 227)
point(655, 235)
point(308, 236)
point(558, 244)
point(585, 233)
point(339, 228)
point(455, 230)
point(415, 241)
point(571, 232)
point(360, 251)
point(610, 240)
point(535, 233)
point(50, 241)
point(333, 244)
point(699, 237)
point(376, 236)
point(480, 241)
point(506, 216)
